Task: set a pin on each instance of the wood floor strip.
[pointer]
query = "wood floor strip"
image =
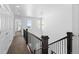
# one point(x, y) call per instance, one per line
point(18, 45)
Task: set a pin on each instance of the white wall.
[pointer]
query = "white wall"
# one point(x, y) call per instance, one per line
point(56, 19)
point(75, 29)
point(22, 21)
point(6, 34)
point(35, 26)
point(18, 25)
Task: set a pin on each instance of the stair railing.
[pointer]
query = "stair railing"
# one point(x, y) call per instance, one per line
point(62, 46)
point(40, 45)
point(37, 45)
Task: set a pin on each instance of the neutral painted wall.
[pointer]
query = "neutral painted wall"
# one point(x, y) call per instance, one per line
point(32, 23)
point(18, 25)
point(56, 19)
point(75, 29)
point(35, 26)
point(6, 34)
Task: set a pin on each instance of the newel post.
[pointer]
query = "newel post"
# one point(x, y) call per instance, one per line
point(45, 44)
point(26, 36)
point(24, 33)
point(69, 42)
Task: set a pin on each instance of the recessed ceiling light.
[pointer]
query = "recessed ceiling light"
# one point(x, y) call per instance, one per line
point(17, 6)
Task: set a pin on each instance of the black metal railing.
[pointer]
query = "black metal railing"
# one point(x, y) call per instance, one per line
point(37, 45)
point(40, 45)
point(33, 42)
point(62, 46)
point(59, 46)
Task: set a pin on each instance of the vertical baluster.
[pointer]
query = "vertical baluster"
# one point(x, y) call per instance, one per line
point(58, 47)
point(54, 47)
point(30, 38)
point(62, 46)
point(31, 41)
point(65, 46)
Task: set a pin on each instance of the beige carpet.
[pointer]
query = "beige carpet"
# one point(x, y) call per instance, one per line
point(18, 45)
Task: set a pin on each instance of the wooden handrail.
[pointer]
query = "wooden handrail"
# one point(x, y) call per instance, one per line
point(57, 40)
point(35, 36)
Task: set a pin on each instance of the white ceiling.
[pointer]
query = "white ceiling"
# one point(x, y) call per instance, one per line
point(24, 9)
point(17, 9)
point(34, 9)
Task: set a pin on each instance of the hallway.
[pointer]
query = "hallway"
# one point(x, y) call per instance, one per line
point(31, 28)
point(18, 45)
